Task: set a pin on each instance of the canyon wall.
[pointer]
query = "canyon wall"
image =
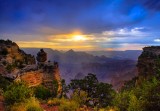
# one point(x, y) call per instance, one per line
point(149, 62)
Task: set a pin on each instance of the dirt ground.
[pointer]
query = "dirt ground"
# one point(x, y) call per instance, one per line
point(2, 103)
point(49, 108)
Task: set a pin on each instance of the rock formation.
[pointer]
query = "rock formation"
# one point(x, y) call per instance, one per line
point(15, 64)
point(149, 62)
point(11, 52)
point(42, 73)
point(41, 56)
point(51, 74)
point(11, 57)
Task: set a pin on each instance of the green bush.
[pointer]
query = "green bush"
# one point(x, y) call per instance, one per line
point(64, 104)
point(143, 97)
point(68, 105)
point(121, 100)
point(98, 93)
point(17, 92)
point(31, 104)
point(80, 97)
point(42, 92)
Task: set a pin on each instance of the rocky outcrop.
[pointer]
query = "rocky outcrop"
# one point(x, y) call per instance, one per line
point(149, 62)
point(16, 65)
point(33, 76)
point(43, 73)
point(51, 74)
point(10, 54)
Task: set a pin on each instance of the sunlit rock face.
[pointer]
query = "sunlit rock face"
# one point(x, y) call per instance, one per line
point(32, 78)
point(11, 54)
point(149, 61)
point(45, 75)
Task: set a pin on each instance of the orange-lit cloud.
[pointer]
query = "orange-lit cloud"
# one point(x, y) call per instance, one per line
point(108, 40)
point(59, 46)
point(76, 40)
point(36, 44)
point(70, 37)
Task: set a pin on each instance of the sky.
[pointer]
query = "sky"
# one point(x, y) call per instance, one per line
point(82, 25)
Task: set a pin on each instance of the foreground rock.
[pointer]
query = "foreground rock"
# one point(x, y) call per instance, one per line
point(16, 65)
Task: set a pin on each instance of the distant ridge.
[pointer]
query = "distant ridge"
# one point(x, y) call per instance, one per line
point(77, 64)
point(127, 54)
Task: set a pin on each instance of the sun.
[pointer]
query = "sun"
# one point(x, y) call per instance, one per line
point(79, 38)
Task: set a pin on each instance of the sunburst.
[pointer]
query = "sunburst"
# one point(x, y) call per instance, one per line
point(79, 38)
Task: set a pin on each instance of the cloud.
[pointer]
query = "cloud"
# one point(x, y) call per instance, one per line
point(91, 16)
point(127, 46)
point(156, 40)
point(125, 32)
point(59, 46)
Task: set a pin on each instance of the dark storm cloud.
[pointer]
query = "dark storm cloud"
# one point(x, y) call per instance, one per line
point(152, 4)
point(87, 15)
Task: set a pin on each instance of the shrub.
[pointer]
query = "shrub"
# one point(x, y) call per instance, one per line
point(29, 105)
point(42, 92)
point(143, 97)
point(80, 97)
point(121, 100)
point(64, 104)
point(32, 104)
point(4, 83)
point(99, 94)
point(17, 92)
